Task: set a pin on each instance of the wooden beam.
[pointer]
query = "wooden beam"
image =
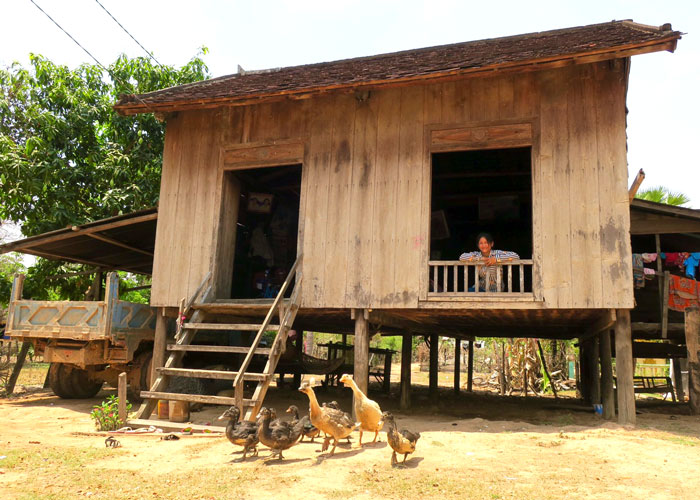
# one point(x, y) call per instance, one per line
point(692, 342)
point(607, 388)
point(121, 396)
point(470, 366)
point(19, 363)
point(637, 182)
point(159, 344)
point(458, 355)
point(118, 243)
point(361, 351)
point(664, 305)
point(605, 322)
point(433, 368)
point(406, 354)
point(625, 369)
point(594, 373)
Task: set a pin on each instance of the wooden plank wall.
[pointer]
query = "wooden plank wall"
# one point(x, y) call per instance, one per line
point(364, 212)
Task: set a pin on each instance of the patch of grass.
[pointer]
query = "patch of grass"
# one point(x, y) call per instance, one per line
point(685, 441)
point(449, 484)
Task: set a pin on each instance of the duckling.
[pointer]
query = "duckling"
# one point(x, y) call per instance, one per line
point(277, 438)
point(401, 442)
point(309, 430)
point(367, 411)
point(241, 433)
point(335, 423)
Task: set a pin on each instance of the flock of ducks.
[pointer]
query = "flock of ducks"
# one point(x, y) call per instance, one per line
point(327, 418)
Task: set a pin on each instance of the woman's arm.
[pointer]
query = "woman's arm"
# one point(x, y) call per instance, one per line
point(470, 255)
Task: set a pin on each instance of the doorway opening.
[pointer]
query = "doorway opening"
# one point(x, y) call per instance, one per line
point(474, 192)
point(267, 228)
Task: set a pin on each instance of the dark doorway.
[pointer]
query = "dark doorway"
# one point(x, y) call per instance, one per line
point(267, 230)
point(481, 191)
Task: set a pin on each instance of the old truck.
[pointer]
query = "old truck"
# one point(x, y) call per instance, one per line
point(87, 343)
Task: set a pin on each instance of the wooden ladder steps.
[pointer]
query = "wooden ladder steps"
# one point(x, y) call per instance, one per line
point(195, 398)
point(229, 326)
point(211, 374)
point(217, 348)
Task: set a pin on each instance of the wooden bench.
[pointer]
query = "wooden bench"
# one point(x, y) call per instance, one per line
point(654, 385)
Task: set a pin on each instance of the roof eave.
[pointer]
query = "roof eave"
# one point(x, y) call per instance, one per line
point(669, 44)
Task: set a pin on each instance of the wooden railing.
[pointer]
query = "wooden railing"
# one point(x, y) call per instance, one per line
point(448, 278)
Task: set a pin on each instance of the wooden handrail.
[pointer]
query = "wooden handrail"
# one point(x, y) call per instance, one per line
point(238, 382)
point(504, 262)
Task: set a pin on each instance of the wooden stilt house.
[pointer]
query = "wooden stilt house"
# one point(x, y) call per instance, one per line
point(363, 180)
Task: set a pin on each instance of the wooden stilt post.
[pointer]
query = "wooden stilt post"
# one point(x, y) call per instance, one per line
point(594, 372)
point(406, 353)
point(159, 344)
point(470, 365)
point(458, 358)
point(584, 381)
point(433, 369)
point(678, 379)
point(361, 349)
point(692, 341)
point(625, 368)
point(121, 395)
point(606, 376)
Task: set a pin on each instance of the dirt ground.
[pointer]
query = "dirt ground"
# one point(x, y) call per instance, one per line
point(475, 445)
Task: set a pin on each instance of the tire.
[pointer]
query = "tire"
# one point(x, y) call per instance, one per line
point(57, 381)
point(69, 382)
point(139, 376)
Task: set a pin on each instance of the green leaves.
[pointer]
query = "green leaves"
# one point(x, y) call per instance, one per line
point(661, 194)
point(66, 157)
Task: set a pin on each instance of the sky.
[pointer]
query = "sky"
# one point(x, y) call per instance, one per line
point(662, 101)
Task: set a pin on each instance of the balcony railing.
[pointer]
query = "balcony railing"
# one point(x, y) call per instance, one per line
point(448, 278)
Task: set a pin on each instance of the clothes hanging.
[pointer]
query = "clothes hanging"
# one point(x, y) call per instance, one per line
point(638, 270)
point(649, 257)
point(682, 293)
point(691, 264)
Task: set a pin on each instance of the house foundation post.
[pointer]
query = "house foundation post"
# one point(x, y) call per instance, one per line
point(606, 376)
point(624, 364)
point(159, 344)
point(678, 380)
point(361, 350)
point(406, 354)
point(458, 358)
point(433, 369)
point(594, 373)
point(470, 365)
point(692, 341)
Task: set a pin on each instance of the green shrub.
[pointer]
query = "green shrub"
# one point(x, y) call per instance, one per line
point(106, 415)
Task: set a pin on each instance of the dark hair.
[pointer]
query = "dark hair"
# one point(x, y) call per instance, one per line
point(487, 236)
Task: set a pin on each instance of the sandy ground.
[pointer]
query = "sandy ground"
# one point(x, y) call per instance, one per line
point(472, 446)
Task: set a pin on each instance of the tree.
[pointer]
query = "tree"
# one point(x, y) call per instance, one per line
point(661, 194)
point(66, 157)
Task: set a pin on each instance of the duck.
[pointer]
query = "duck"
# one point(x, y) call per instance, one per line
point(309, 430)
point(335, 423)
point(367, 411)
point(403, 442)
point(241, 433)
point(278, 438)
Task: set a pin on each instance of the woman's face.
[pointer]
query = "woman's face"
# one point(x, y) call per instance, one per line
point(485, 246)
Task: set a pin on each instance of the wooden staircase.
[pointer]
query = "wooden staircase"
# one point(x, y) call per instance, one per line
point(186, 333)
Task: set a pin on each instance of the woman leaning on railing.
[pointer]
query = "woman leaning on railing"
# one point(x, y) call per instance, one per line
point(488, 275)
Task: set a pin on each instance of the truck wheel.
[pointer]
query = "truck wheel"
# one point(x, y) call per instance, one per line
point(58, 380)
point(140, 375)
point(69, 382)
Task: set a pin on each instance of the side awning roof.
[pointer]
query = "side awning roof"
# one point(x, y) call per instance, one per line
point(121, 243)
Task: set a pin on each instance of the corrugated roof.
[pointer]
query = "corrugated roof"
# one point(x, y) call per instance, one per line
point(608, 40)
point(123, 243)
